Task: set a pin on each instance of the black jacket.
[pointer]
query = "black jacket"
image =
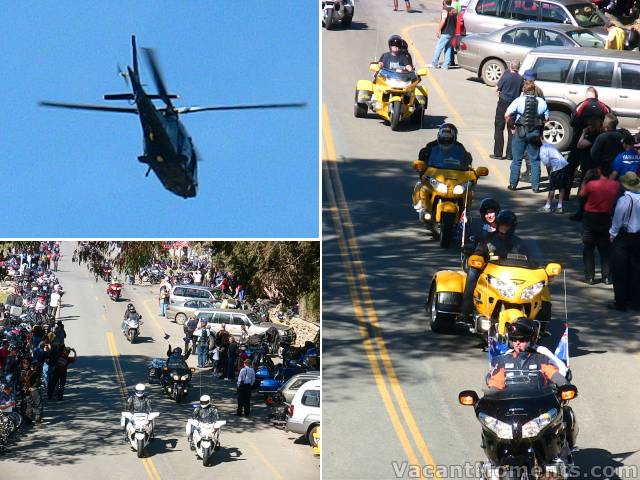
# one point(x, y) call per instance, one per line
point(501, 245)
point(137, 404)
point(205, 415)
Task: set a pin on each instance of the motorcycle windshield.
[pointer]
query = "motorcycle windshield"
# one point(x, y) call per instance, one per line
point(177, 364)
point(522, 384)
point(400, 78)
point(516, 260)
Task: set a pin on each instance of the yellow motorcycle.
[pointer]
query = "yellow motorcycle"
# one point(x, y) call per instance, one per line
point(395, 96)
point(507, 289)
point(444, 191)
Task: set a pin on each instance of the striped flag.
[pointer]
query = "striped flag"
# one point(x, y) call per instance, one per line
point(562, 350)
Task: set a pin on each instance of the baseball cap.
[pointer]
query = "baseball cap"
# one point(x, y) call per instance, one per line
point(529, 74)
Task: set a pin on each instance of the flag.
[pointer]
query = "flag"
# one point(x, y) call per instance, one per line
point(562, 350)
point(495, 348)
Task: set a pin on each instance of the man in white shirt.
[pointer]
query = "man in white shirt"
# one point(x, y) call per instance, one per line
point(246, 379)
point(197, 277)
point(54, 303)
point(625, 248)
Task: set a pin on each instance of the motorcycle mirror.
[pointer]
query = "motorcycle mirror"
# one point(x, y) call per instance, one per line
point(193, 370)
point(568, 392)
point(165, 369)
point(476, 261)
point(468, 398)
point(422, 72)
point(419, 165)
point(374, 67)
point(482, 171)
point(553, 269)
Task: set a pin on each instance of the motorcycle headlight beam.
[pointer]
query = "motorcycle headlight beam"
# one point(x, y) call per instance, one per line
point(506, 289)
point(437, 185)
point(459, 189)
point(501, 429)
point(185, 377)
point(176, 377)
point(533, 427)
point(532, 290)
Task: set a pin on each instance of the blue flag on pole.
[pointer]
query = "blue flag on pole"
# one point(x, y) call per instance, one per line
point(495, 348)
point(562, 350)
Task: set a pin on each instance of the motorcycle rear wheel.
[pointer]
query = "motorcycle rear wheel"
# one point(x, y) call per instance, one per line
point(328, 22)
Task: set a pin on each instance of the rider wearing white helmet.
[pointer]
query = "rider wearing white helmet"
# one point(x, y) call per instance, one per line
point(203, 413)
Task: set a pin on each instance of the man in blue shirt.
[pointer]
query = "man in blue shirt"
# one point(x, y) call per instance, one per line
point(529, 113)
point(627, 161)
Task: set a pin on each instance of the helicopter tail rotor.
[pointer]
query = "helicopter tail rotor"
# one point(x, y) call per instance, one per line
point(124, 75)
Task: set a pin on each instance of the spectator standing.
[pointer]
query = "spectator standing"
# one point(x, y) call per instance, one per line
point(615, 37)
point(625, 249)
point(232, 357)
point(608, 144)
point(445, 33)
point(246, 379)
point(203, 346)
point(189, 339)
point(600, 194)
point(508, 89)
point(222, 341)
point(407, 5)
point(197, 277)
point(558, 170)
point(54, 303)
point(583, 156)
point(58, 378)
point(529, 112)
point(163, 300)
point(627, 160)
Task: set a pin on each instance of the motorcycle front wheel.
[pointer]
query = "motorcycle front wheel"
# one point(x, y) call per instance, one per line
point(140, 448)
point(206, 452)
point(396, 113)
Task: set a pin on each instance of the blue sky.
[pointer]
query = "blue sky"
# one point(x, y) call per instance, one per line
point(73, 173)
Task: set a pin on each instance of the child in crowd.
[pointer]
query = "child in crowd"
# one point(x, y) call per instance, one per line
point(557, 168)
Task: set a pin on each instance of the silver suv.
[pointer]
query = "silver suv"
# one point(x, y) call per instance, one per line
point(483, 16)
point(564, 75)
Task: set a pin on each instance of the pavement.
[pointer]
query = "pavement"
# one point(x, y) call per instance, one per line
point(390, 385)
point(81, 435)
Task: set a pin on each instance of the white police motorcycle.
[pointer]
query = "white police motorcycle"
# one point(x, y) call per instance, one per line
point(139, 429)
point(334, 11)
point(206, 437)
point(131, 327)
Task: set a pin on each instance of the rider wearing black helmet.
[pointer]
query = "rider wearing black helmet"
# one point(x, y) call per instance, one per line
point(445, 149)
point(489, 209)
point(499, 243)
point(398, 56)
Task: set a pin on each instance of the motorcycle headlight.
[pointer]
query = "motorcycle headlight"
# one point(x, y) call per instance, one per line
point(533, 427)
point(531, 291)
point(506, 289)
point(176, 377)
point(459, 189)
point(185, 377)
point(437, 185)
point(501, 429)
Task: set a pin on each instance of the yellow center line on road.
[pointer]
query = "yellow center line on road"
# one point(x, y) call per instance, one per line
point(111, 342)
point(265, 461)
point(443, 96)
point(153, 316)
point(344, 229)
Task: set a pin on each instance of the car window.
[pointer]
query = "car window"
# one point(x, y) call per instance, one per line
point(552, 69)
point(525, 37)
point(599, 74)
point(523, 10)
point(487, 7)
point(179, 291)
point(238, 320)
point(550, 12)
point(223, 318)
point(585, 38)
point(206, 304)
point(298, 383)
point(630, 76)
point(206, 316)
point(191, 304)
point(551, 38)
point(586, 15)
point(311, 398)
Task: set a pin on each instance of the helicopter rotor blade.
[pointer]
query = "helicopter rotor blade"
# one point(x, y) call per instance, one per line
point(82, 106)
point(157, 76)
point(239, 107)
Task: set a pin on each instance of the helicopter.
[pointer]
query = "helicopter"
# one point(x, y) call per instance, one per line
point(168, 149)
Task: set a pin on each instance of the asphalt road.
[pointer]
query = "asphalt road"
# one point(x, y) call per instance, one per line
point(81, 436)
point(390, 385)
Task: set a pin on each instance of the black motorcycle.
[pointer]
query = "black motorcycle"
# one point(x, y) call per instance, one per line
point(176, 378)
point(528, 430)
point(278, 409)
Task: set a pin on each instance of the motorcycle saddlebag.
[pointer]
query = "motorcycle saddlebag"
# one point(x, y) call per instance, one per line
point(269, 385)
point(155, 369)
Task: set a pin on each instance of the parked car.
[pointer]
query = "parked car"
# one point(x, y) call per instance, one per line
point(304, 412)
point(180, 313)
point(234, 319)
point(182, 293)
point(484, 16)
point(291, 386)
point(564, 75)
point(488, 54)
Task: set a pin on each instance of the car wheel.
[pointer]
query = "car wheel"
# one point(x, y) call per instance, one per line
point(310, 433)
point(558, 131)
point(492, 71)
point(181, 318)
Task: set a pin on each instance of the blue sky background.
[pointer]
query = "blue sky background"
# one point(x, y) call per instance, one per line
point(73, 173)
